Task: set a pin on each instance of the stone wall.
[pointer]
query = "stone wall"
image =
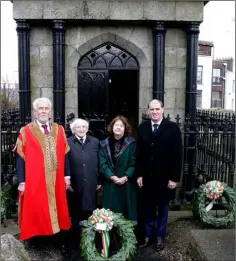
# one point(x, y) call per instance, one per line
point(137, 40)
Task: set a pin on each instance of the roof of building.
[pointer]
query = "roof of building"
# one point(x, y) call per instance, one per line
point(207, 43)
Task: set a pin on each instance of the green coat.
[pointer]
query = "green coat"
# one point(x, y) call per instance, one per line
point(119, 198)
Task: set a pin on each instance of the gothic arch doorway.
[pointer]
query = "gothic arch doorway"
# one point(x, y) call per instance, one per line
point(108, 86)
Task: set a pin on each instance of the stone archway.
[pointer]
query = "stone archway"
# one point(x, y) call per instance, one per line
point(108, 85)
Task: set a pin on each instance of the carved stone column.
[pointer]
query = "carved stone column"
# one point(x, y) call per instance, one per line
point(58, 32)
point(23, 33)
point(158, 61)
point(191, 69)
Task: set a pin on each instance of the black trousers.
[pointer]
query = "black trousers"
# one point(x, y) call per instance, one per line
point(76, 213)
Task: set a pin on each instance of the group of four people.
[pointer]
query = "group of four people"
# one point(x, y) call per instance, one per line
point(55, 172)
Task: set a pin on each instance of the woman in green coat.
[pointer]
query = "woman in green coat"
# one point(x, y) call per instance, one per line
point(117, 166)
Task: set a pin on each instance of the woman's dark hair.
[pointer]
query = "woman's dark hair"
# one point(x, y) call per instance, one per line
point(125, 121)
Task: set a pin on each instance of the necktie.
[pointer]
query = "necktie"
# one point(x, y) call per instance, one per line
point(46, 132)
point(155, 127)
point(81, 140)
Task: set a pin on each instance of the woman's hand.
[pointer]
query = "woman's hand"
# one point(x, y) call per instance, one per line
point(122, 180)
point(114, 179)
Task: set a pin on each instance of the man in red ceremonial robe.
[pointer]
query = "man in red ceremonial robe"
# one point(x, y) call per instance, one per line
point(44, 176)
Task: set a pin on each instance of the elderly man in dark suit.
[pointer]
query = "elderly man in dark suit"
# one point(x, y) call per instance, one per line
point(83, 162)
point(159, 163)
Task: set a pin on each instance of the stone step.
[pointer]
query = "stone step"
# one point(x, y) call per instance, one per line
point(212, 245)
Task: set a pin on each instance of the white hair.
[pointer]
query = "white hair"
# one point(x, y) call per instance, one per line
point(78, 122)
point(41, 100)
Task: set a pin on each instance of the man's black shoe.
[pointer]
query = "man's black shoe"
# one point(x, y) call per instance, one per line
point(64, 251)
point(159, 244)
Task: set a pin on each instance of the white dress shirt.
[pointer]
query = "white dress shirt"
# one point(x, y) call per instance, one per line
point(40, 126)
point(79, 138)
point(158, 122)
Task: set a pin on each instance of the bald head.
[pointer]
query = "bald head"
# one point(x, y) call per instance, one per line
point(155, 110)
point(156, 101)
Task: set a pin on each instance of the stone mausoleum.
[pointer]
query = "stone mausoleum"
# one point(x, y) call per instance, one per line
point(101, 58)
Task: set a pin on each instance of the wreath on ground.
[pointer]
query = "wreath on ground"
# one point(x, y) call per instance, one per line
point(213, 190)
point(102, 221)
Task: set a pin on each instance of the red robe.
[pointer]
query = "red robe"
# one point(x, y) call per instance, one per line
point(43, 207)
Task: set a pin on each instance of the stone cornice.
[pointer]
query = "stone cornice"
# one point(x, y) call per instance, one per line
point(139, 10)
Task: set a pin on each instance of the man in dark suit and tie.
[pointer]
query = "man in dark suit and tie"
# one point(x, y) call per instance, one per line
point(159, 163)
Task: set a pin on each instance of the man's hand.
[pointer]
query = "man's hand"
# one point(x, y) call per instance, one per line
point(171, 184)
point(98, 187)
point(68, 186)
point(121, 181)
point(140, 182)
point(21, 188)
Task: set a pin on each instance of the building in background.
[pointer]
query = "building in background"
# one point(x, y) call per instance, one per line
point(223, 84)
point(204, 74)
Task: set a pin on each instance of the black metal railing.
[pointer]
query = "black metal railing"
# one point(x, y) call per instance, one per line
point(211, 158)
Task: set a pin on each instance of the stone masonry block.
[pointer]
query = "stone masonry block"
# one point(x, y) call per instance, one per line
point(159, 10)
point(34, 56)
point(170, 57)
point(72, 9)
point(145, 95)
point(71, 77)
point(181, 57)
point(180, 98)
point(41, 76)
point(40, 36)
point(189, 11)
point(126, 10)
point(175, 37)
point(148, 54)
point(175, 78)
point(75, 36)
point(46, 55)
point(72, 56)
point(72, 110)
point(169, 99)
point(72, 97)
point(145, 77)
point(28, 9)
point(141, 36)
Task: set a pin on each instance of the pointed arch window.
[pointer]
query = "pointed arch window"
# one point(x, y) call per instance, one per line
point(108, 56)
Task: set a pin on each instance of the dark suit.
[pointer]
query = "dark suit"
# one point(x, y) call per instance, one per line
point(159, 159)
point(83, 162)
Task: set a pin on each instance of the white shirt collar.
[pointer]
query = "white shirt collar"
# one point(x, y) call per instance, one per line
point(84, 138)
point(40, 124)
point(158, 122)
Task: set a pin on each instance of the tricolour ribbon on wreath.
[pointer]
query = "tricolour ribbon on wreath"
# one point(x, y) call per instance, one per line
point(102, 221)
point(214, 190)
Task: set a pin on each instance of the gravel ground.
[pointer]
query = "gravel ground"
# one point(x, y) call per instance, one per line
point(176, 246)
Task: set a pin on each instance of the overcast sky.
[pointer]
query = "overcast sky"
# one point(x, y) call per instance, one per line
point(218, 26)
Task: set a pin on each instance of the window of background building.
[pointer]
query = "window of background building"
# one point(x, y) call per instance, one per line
point(233, 105)
point(216, 99)
point(233, 87)
point(199, 99)
point(216, 76)
point(199, 74)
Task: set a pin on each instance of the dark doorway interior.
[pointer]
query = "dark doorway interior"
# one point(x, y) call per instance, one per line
point(123, 96)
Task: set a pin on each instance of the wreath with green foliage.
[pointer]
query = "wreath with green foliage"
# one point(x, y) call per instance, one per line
point(199, 207)
point(128, 242)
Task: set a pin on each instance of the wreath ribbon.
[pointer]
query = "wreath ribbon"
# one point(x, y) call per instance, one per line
point(102, 221)
point(213, 190)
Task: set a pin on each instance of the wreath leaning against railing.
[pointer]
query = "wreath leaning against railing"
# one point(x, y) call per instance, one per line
point(212, 191)
point(102, 221)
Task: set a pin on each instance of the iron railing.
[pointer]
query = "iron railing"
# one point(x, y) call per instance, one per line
point(208, 146)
